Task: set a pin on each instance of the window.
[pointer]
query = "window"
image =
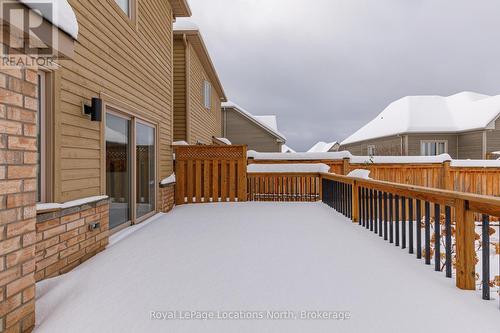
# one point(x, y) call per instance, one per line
point(41, 138)
point(434, 147)
point(125, 5)
point(371, 150)
point(207, 94)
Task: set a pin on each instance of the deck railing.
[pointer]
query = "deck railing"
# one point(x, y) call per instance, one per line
point(430, 223)
point(284, 187)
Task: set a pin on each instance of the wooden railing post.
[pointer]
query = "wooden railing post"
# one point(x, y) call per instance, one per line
point(447, 183)
point(346, 166)
point(465, 252)
point(355, 202)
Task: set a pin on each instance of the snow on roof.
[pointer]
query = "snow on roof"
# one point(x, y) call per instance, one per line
point(288, 168)
point(322, 147)
point(400, 159)
point(465, 111)
point(62, 15)
point(185, 25)
point(263, 121)
point(286, 149)
point(298, 156)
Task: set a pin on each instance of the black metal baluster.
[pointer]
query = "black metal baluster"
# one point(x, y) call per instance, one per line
point(360, 209)
point(362, 205)
point(375, 212)
point(427, 206)
point(437, 237)
point(418, 222)
point(396, 219)
point(447, 220)
point(367, 207)
point(486, 257)
point(385, 216)
point(371, 210)
point(391, 218)
point(403, 221)
point(380, 211)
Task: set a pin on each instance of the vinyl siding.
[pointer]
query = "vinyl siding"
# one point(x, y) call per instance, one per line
point(493, 138)
point(470, 145)
point(241, 131)
point(203, 123)
point(179, 90)
point(414, 143)
point(389, 146)
point(115, 59)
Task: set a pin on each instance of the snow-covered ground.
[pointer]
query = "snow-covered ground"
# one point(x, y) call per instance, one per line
point(257, 257)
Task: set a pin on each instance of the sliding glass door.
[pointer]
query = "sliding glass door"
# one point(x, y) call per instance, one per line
point(145, 169)
point(130, 169)
point(118, 169)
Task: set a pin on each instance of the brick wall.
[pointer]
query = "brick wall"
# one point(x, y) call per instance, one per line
point(18, 155)
point(167, 198)
point(64, 238)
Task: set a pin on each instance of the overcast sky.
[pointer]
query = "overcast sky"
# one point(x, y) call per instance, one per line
point(326, 67)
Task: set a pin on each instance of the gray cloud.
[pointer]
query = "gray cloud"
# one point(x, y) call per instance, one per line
point(326, 67)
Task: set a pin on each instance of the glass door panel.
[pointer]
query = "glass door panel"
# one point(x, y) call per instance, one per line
point(145, 169)
point(118, 168)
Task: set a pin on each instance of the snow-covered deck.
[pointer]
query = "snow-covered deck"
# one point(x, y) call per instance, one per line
point(257, 257)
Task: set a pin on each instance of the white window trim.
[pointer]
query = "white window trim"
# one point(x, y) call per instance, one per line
point(207, 94)
point(423, 142)
point(371, 147)
point(43, 139)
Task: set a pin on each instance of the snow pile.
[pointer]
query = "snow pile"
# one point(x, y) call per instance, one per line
point(224, 140)
point(169, 180)
point(54, 206)
point(286, 149)
point(465, 111)
point(283, 256)
point(180, 143)
point(288, 168)
point(322, 147)
point(182, 24)
point(400, 159)
point(476, 163)
point(298, 156)
point(264, 121)
point(359, 173)
point(62, 15)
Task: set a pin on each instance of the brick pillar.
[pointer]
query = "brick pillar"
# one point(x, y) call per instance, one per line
point(18, 149)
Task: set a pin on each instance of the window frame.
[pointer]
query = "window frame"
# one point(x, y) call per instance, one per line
point(207, 94)
point(373, 148)
point(423, 143)
point(41, 123)
point(132, 10)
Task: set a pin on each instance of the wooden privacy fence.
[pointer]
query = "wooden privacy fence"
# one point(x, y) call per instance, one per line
point(284, 187)
point(210, 174)
point(445, 175)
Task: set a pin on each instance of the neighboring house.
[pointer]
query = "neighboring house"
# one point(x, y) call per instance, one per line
point(324, 147)
point(198, 92)
point(259, 133)
point(286, 149)
point(465, 125)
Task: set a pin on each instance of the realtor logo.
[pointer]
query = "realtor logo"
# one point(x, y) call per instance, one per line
point(27, 38)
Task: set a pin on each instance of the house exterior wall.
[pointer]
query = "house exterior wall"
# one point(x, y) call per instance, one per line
point(203, 123)
point(241, 131)
point(414, 143)
point(470, 145)
point(389, 146)
point(18, 186)
point(127, 63)
point(180, 131)
point(493, 139)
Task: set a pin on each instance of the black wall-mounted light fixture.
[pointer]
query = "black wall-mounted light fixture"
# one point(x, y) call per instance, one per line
point(94, 110)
